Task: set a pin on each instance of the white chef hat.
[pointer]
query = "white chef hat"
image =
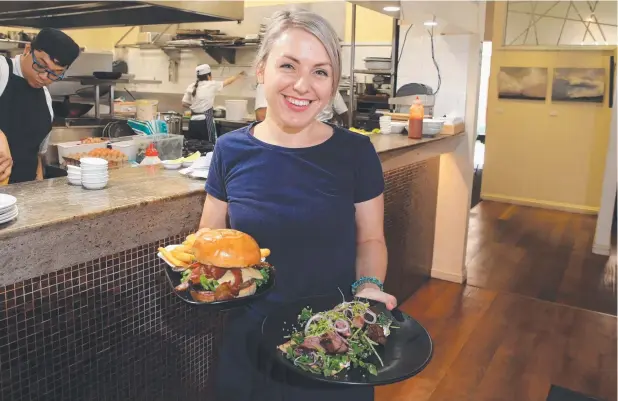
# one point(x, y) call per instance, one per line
point(202, 69)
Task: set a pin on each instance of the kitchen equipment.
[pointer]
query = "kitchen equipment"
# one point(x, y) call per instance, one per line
point(173, 121)
point(107, 74)
point(378, 63)
point(236, 110)
point(129, 148)
point(218, 112)
point(67, 109)
point(146, 109)
point(405, 96)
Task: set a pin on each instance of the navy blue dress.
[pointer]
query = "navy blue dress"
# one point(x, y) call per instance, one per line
point(299, 203)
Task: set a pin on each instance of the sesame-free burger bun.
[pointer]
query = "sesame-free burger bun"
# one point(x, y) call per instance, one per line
point(226, 248)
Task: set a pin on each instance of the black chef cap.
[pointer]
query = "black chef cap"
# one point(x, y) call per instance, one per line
point(58, 45)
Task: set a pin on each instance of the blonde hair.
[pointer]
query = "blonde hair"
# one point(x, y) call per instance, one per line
point(310, 22)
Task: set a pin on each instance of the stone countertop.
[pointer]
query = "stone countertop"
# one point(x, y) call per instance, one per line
point(394, 142)
point(52, 201)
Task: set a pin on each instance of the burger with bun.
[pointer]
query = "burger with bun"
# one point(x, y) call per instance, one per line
point(228, 264)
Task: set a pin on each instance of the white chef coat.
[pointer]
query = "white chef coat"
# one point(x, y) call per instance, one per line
point(4, 80)
point(204, 98)
point(338, 105)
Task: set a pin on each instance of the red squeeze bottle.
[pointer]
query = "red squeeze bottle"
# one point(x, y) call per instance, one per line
point(415, 122)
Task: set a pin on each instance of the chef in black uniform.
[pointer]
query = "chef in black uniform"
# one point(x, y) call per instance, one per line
point(26, 113)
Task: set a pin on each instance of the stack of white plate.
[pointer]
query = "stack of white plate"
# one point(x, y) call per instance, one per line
point(75, 175)
point(94, 172)
point(8, 208)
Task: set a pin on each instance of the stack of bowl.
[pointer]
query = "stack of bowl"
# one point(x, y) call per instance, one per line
point(385, 124)
point(94, 172)
point(75, 175)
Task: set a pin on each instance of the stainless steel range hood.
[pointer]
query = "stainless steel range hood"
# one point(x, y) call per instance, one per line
point(89, 14)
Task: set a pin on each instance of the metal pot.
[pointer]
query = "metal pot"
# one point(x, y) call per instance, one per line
point(173, 120)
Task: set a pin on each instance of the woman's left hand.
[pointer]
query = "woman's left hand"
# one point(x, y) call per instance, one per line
point(373, 292)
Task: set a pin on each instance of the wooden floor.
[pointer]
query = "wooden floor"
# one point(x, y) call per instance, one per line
point(491, 346)
point(527, 318)
point(540, 253)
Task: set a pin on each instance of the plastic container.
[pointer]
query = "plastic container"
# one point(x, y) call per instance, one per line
point(432, 127)
point(415, 122)
point(72, 148)
point(397, 127)
point(146, 109)
point(235, 110)
point(129, 148)
point(169, 146)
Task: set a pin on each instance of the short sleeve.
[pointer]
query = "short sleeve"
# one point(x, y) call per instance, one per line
point(368, 176)
point(260, 98)
point(44, 145)
point(339, 104)
point(218, 86)
point(215, 183)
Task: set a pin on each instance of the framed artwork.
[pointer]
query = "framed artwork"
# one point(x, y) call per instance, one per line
point(524, 83)
point(578, 85)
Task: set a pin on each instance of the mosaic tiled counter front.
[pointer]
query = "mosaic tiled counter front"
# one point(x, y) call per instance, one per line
point(85, 309)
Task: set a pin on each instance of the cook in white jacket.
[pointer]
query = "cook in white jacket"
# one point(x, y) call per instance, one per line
point(200, 98)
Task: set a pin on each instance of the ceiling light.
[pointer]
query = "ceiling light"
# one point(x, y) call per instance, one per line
point(430, 23)
point(391, 8)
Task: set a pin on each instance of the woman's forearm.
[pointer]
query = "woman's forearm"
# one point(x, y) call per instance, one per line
point(371, 259)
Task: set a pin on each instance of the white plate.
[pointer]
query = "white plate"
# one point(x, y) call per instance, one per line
point(168, 248)
point(7, 201)
point(9, 211)
point(172, 166)
point(8, 218)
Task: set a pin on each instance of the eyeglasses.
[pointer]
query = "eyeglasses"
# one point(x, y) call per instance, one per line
point(40, 68)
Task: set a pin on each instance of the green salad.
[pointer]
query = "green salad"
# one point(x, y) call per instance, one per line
point(343, 337)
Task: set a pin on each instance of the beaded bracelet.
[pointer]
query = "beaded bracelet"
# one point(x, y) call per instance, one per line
point(365, 280)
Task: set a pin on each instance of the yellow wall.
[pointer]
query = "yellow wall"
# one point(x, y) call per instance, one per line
point(534, 158)
point(371, 26)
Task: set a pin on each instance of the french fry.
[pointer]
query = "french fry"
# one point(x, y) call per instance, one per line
point(265, 252)
point(168, 255)
point(183, 257)
point(184, 249)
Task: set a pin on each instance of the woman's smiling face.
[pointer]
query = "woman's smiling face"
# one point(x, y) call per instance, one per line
point(297, 79)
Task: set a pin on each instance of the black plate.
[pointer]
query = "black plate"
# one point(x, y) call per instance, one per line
point(174, 279)
point(408, 349)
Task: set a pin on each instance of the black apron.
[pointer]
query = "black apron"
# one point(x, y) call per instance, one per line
point(205, 129)
point(26, 121)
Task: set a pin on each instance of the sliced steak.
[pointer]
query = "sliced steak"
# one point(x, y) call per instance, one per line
point(376, 333)
point(333, 343)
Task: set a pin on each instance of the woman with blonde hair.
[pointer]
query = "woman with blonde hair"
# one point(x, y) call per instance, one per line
point(310, 192)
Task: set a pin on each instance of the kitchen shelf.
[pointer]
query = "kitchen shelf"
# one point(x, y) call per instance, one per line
point(10, 44)
point(374, 72)
point(392, 73)
point(219, 52)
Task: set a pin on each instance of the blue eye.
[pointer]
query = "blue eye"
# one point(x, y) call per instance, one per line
point(286, 65)
point(322, 73)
